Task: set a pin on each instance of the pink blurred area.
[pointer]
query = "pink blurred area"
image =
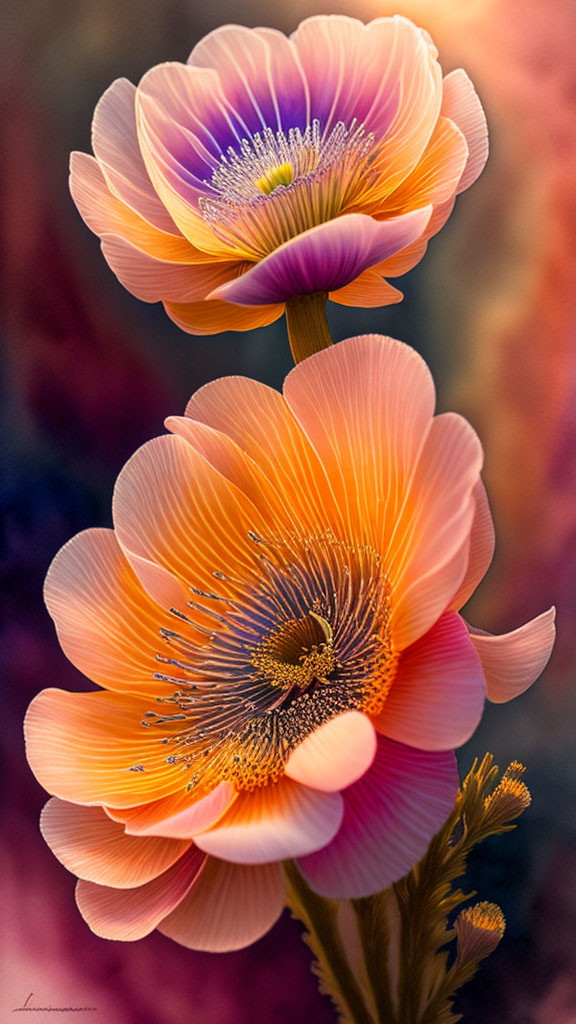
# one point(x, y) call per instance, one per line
point(88, 373)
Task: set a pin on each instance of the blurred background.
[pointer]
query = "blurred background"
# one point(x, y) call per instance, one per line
point(89, 373)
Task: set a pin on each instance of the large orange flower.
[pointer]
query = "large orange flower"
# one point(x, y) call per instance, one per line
point(268, 168)
point(275, 624)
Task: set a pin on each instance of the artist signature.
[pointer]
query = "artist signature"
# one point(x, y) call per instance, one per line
point(28, 1007)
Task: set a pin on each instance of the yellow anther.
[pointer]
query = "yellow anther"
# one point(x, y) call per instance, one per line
point(283, 174)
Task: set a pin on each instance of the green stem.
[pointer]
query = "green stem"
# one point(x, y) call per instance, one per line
point(319, 917)
point(308, 328)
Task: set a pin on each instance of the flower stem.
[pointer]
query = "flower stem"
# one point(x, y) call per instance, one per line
point(308, 328)
point(319, 916)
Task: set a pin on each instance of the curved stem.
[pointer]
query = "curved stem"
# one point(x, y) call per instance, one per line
point(319, 917)
point(308, 328)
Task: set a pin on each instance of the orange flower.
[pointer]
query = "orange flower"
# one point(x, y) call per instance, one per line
point(269, 168)
point(274, 621)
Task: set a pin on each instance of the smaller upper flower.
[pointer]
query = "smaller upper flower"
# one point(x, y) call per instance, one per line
point(268, 167)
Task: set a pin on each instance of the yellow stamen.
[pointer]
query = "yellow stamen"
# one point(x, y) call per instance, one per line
point(281, 175)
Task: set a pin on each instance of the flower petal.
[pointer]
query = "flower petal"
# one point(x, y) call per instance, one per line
point(260, 74)
point(368, 290)
point(383, 393)
point(482, 542)
point(212, 316)
point(128, 914)
point(335, 755)
point(91, 748)
point(154, 280)
point(181, 822)
point(116, 147)
point(437, 697)
point(105, 214)
point(229, 907)
point(323, 258)
point(461, 104)
point(390, 816)
point(174, 511)
point(436, 175)
point(427, 552)
point(107, 624)
point(382, 74)
point(513, 661)
point(259, 421)
point(97, 849)
point(274, 823)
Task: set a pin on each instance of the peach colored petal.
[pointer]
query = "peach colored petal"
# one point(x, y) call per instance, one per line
point(427, 551)
point(91, 748)
point(368, 290)
point(461, 104)
point(105, 214)
point(128, 914)
point(260, 75)
point(184, 822)
point(116, 147)
point(107, 625)
point(229, 907)
point(437, 697)
point(436, 176)
point(172, 509)
point(407, 258)
point(224, 455)
point(97, 849)
point(260, 422)
point(335, 755)
point(390, 816)
point(513, 661)
point(212, 316)
point(482, 542)
point(366, 406)
point(274, 823)
point(323, 258)
point(154, 280)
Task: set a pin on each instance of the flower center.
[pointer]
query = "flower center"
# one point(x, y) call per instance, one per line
point(281, 175)
point(300, 639)
point(279, 184)
point(297, 654)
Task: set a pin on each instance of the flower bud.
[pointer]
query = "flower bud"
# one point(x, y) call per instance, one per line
point(479, 930)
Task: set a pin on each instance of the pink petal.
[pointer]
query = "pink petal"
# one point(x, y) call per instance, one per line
point(128, 914)
point(482, 540)
point(153, 280)
point(274, 823)
point(260, 75)
point(512, 662)
point(390, 816)
point(229, 907)
point(335, 755)
point(197, 816)
point(437, 697)
point(97, 849)
point(117, 149)
point(461, 104)
point(107, 624)
point(382, 74)
point(323, 258)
